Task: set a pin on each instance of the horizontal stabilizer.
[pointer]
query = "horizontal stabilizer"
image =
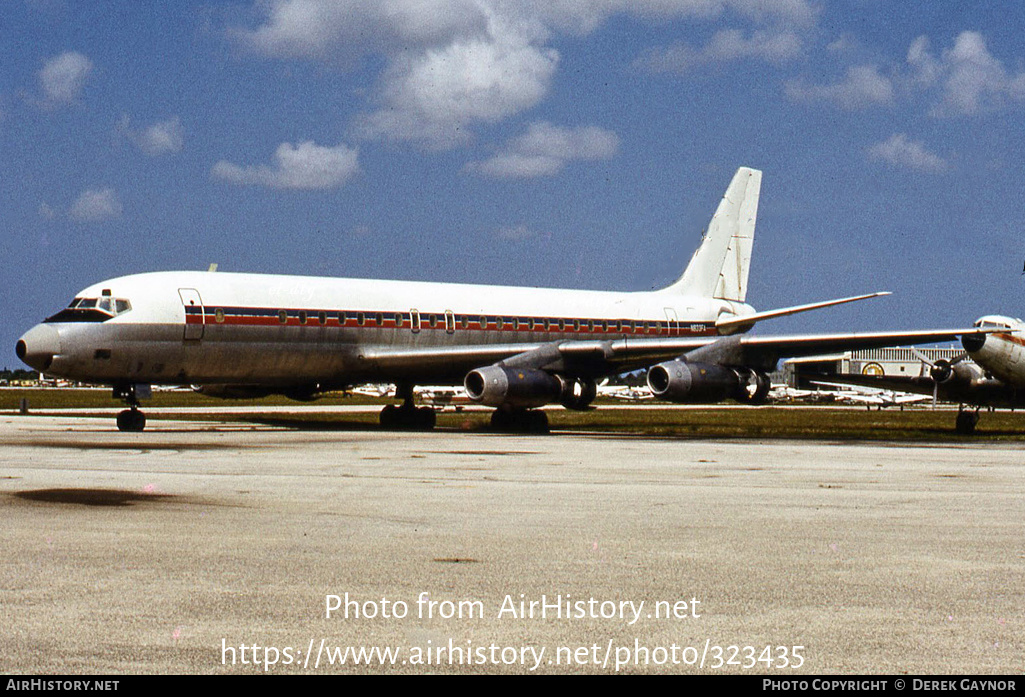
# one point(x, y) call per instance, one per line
point(729, 323)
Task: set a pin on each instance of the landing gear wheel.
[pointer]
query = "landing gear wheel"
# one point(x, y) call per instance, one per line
point(425, 419)
point(408, 418)
point(966, 421)
point(131, 420)
point(520, 421)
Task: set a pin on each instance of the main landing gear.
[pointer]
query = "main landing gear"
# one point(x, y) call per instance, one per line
point(131, 419)
point(519, 421)
point(408, 416)
point(966, 420)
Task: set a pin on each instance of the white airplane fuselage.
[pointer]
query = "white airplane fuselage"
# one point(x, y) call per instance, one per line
point(1002, 353)
point(219, 328)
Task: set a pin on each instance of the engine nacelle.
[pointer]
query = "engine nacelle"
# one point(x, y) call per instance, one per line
point(496, 386)
point(945, 373)
point(754, 389)
point(577, 393)
point(693, 383)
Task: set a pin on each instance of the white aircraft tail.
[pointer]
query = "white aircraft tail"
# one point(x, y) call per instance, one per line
point(720, 266)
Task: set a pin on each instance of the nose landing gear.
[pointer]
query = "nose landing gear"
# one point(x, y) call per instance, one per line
point(131, 419)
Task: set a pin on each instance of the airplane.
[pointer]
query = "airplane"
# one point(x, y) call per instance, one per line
point(512, 348)
point(873, 396)
point(996, 378)
point(440, 396)
point(624, 392)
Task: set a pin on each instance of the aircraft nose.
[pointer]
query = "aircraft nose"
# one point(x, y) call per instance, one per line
point(973, 342)
point(38, 347)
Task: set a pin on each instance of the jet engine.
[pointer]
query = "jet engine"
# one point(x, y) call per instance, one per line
point(704, 383)
point(577, 393)
point(497, 386)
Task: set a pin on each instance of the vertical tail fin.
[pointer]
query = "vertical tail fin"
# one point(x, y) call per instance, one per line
point(720, 266)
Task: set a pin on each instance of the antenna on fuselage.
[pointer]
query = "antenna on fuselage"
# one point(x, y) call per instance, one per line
point(213, 267)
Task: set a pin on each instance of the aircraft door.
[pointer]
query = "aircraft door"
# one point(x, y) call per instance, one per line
point(673, 320)
point(194, 314)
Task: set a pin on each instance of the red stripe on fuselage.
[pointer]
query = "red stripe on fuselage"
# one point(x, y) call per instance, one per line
point(622, 327)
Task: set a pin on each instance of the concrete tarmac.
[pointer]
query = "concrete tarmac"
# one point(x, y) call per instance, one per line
point(210, 548)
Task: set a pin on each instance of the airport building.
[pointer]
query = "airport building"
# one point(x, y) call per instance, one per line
point(796, 372)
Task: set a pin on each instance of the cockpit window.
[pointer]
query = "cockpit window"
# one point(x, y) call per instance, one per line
point(92, 310)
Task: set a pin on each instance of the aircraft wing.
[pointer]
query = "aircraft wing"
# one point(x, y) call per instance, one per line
point(598, 358)
point(920, 384)
point(982, 392)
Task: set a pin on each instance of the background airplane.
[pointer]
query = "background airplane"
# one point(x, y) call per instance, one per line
point(996, 379)
point(872, 396)
point(511, 348)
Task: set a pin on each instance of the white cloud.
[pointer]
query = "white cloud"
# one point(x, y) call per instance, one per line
point(969, 77)
point(725, 46)
point(304, 166)
point(435, 97)
point(347, 29)
point(901, 152)
point(454, 64)
point(162, 138)
point(862, 87)
point(344, 30)
point(94, 205)
point(546, 149)
point(964, 80)
point(63, 77)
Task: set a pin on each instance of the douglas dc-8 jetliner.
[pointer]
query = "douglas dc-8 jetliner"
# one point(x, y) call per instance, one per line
point(515, 349)
point(995, 379)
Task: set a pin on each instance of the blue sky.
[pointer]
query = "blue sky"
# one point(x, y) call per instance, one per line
point(560, 143)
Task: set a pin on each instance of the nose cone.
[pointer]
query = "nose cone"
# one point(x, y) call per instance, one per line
point(38, 347)
point(973, 343)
